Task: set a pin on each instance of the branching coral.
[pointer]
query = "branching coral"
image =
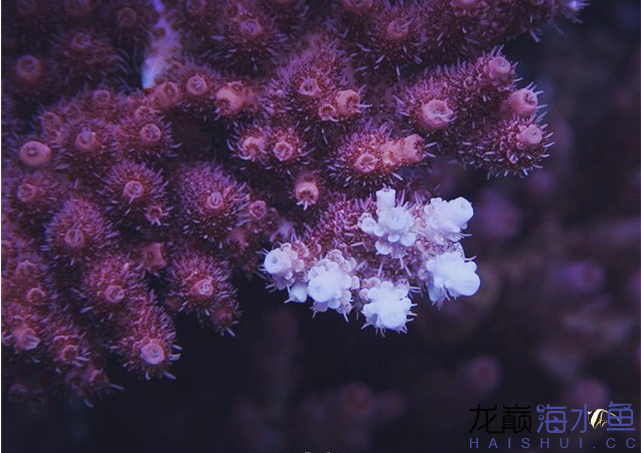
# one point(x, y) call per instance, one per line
point(151, 152)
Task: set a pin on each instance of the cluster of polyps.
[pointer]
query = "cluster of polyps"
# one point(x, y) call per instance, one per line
point(400, 248)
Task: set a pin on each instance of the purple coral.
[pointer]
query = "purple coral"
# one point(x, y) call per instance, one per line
point(235, 128)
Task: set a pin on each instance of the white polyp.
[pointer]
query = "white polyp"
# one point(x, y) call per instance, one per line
point(444, 220)
point(368, 224)
point(297, 292)
point(325, 287)
point(408, 239)
point(331, 282)
point(394, 226)
point(383, 248)
point(278, 263)
point(460, 212)
point(385, 199)
point(451, 276)
point(391, 318)
point(396, 220)
point(389, 306)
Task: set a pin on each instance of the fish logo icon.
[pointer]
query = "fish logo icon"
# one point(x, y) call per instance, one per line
point(597, 418)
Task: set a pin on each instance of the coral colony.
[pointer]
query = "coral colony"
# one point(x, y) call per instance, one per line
point(153, 149)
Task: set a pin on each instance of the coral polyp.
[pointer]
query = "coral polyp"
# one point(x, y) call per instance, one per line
point(155, 153)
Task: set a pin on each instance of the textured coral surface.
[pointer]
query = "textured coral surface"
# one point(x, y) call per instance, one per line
point(147, 178)
point(152, 150)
